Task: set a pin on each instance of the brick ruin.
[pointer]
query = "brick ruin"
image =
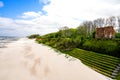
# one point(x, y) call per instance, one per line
point(105, 32)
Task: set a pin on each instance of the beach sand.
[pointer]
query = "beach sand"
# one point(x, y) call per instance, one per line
point(26, 60)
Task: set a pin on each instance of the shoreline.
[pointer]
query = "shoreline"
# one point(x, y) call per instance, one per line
point(4, 40)
point(26, 60)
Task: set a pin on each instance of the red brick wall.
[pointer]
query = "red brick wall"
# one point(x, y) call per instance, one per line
point(105, 32)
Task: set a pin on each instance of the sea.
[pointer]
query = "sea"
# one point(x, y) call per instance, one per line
point(6, 39)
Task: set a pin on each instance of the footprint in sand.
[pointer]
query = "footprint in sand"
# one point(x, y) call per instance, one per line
point(27, 49)
point(33, 69)
point(46, 71)
point(28, 52)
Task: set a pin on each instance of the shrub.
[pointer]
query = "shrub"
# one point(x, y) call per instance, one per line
point(103, 46)
point(33, 36)
point(117, 35)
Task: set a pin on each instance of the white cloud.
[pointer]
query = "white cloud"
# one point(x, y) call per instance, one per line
point(82, 9)
point(61, 13)
point(45, 1)
point(113, 1)
point(1, 4)
point(28, 15)
point(6, 22)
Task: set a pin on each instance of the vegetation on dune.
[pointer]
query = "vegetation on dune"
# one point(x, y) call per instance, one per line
point(103, 55)
point(109, 47)
point(68, 39)
point(33, 36)
point(118, 77)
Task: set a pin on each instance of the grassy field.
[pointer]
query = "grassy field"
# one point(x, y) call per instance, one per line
point(101, 63)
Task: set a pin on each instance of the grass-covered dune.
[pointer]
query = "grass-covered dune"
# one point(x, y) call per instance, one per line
point(102, 63)
point(102, 55)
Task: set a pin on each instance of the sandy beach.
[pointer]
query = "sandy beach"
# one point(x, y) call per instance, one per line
point(26, 60)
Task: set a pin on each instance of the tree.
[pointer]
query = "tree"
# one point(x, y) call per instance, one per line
point(67, 32)
point(118, 18)
point(100, 22)
point(88, 26)
point(111, 21)
point(63, 31)
point(82, 31)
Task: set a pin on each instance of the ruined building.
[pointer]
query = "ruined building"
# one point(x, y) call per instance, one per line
point(105, 32)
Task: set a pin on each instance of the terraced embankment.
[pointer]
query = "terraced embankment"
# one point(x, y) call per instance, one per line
point(104, 64)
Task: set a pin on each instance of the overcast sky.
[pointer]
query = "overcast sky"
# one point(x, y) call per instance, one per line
point(25, 17)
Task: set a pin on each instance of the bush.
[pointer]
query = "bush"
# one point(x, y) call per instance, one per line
point(33, 36)
point(65, 44)
point(117, 35)
point(103, 46)
point(78, 41)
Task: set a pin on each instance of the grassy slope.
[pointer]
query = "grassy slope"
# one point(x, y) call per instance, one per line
point(118, 77)
point(103, 64)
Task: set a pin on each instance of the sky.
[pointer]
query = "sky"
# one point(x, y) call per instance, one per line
point(26, 17)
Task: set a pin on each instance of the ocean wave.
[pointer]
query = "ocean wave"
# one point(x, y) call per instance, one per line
point(6, 39)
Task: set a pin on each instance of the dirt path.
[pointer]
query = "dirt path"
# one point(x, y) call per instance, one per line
point(27, 60)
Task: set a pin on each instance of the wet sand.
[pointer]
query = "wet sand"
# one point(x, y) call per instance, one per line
point(26, 60)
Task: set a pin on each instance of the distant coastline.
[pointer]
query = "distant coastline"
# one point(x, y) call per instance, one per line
point(6, 39)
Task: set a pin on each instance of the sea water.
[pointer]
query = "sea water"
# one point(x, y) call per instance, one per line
point(6, 39)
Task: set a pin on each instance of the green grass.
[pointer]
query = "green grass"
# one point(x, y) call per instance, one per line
point(101, 63)
point(118, 77)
